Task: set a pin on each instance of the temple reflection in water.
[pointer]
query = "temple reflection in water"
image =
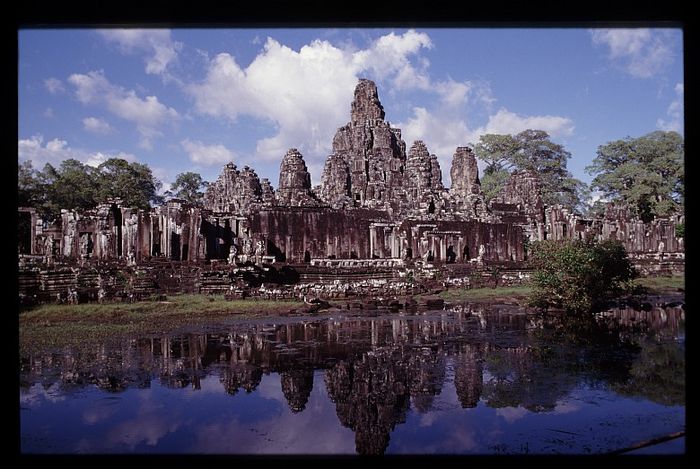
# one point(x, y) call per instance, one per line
point(376, 369)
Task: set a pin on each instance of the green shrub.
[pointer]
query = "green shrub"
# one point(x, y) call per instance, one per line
point(680, 230)
point(579, 275)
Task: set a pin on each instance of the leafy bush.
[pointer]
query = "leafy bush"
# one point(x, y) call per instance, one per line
point(577, 275)
point(680, 230)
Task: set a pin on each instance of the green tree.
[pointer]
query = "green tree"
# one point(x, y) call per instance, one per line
point(45, 200)
point(646, 173)
point(574, 194)
point(75, 186)
point(579, 275)
point(536, 152)
point(497, 151)
point(493, 181)
point(530, 150)
point(187, 187)
point(680, 230)
point(28, 187)
point(134, 183)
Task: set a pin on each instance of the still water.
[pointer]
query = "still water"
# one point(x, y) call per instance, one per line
point(472, 380)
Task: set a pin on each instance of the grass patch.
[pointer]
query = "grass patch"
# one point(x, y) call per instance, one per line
point(661, 283)
point(487, 294)
point(53, 325)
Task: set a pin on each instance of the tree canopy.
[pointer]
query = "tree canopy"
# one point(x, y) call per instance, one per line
point(530, 150)
point(187, 187)
point(646, 173)
point(74, 185)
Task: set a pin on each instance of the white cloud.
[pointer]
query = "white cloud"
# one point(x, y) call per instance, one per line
point(96, 159)
point(674, 112)
point(97, 125)
point(453, 93)
point(148, 114)
point(445, 126)
point(166, 176)
point(442, 134)
point(54, 85)
point(640, 52)
point(157, 44)
point(512, 414)
point(507, 122)
point(443, 129)
point(207, 154)
point(57, 150)
point(48, 113)
point(305, 94)
point(389, 56)
point(56, 145)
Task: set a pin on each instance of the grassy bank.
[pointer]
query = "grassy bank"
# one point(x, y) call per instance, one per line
point(520, 293)
point(54, 325)
point(660, 284)
point(514, 294)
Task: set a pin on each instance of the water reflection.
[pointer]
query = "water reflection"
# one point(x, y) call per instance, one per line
point(389, 380)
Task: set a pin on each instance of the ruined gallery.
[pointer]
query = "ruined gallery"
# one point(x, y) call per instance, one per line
point(380, 211)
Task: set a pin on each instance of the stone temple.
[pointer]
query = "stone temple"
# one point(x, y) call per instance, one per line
point(379, 205)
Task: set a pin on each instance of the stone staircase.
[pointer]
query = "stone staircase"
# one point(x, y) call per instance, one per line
point(214, 282)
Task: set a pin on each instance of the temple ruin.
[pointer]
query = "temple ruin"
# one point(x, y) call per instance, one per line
point(378, 207)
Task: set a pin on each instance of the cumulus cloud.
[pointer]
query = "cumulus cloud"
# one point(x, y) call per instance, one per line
point(97, 125)
point(54, 85)
point(157, 45)
point(148, 114)
point(441, 134)
point(56, 150)
point(444, 129)
point(305, 94)
point(674, 112)
point(507, 122)
point(444, 126)
point(640, 52)
point(453, 93)
point(389, 56)
point(207, 155)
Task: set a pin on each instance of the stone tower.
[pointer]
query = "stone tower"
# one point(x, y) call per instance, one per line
point(466, 187)
point(368, 160)
point(423, 178)
point(295, 181)
point(234, 191)
point(464, 173)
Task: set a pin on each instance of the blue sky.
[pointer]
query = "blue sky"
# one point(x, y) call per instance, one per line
point(193, 99)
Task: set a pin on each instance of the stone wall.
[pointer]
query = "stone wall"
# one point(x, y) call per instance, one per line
point(462, 241)
point(298, 234)
point(520, 201)
point(657, 236)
